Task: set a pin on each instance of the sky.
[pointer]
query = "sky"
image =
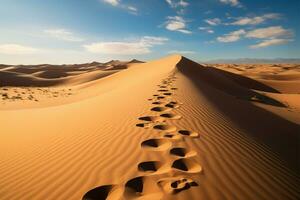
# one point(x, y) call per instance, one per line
point(79, 31)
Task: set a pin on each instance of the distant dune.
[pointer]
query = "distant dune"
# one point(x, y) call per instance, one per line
point(166, 129)
point(256, 60)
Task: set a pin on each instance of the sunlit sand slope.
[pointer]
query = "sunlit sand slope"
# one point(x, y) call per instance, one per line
point(166, 129)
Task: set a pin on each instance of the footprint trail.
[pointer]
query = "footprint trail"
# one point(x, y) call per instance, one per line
point(180, 159)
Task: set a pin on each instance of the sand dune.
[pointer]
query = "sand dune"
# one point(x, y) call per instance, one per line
point(166, 129)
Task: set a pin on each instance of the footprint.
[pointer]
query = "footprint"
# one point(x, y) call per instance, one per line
point(135, 185)
point(142, 188)
point(174, 102)
point(176, 184)
point(157, 102)
point(143, 125)
point(160, 97)
point(167, 93)
point(173, 136)
point(182, 152)
point(178, 151)
point(171, 105)
point(165, 127)
point(156, 144)
point(151, 119)
point(173, 88)
point(149, 166)
point(160, 109)
point(188, 133)
point(103, 192)
point(170, 116)
point(163, 90)
point(186, 165)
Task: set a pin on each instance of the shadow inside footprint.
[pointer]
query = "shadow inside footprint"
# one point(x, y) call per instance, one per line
point(157, 103)
point(176, 184)
point(135, 185)
point(188, 133)
point(178, 151)
point(171, 105)
point(149, 166)
point(163, 90)
point(159, 109)
point(156, 144)
point(167, 93)
point(162, 86)
point(173, 136)
point(187, 165)
point(182, 184)
point(98, 193)
point(170, 116)
point(150, 143)
point(150, 118)
point(180, 164)
point(165, 127)
point(143, 125)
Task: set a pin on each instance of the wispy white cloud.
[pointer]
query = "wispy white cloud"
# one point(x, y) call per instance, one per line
point(133, 9)
point(112, 2)
point(151, 40)
point(270, 42)
point(234, 3)
point(177, 23)
point(17, 49)
point(181, 52)
point(206, 29)
point(255, 20)
point(177, 3)
point(63, 34)
point(273, 35)
point(213, 22)
point(141, 46)
point(117, 3)
point(232, 37)
point(269, 32)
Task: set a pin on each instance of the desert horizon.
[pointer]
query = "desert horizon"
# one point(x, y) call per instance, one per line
point(140, 100)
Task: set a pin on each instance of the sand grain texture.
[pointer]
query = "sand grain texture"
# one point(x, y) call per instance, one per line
point(166, 129)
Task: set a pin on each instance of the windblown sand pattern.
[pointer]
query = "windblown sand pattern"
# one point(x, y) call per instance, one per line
point(166, 129)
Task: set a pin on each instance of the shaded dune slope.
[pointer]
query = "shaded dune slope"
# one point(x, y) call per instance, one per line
point(280, 134)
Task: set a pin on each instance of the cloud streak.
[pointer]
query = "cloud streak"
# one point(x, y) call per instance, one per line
point(112, 2)
point(273, 35)
point(269, 32)
point(213, 22)
point(270, 42)
point(16, 49)
point(63, 34)
point(181, 52)
point(232, 37)
point(233, 3)
point(139, 47)
point(206, 29)
point(117, 3)
point(242, 21)
point(175, 3)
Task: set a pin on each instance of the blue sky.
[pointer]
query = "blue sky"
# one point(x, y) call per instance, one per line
point(77, 31)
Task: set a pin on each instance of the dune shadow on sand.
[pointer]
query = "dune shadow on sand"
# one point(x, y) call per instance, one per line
point(276, 132)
